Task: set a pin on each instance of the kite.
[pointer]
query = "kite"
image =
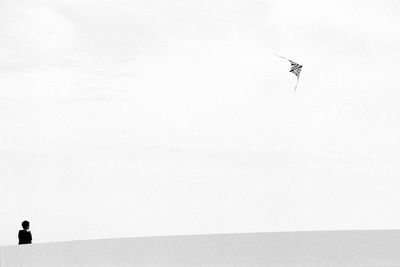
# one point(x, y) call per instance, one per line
point(295, 69)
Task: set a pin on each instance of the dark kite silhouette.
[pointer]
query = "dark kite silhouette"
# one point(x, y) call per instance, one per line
point(295, 69)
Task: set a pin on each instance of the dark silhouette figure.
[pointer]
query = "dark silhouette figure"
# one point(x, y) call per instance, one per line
point(25, 236)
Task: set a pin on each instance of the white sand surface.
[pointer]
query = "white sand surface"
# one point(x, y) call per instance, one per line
point(330, 248)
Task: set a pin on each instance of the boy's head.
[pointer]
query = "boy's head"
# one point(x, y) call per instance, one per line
point(25, 225)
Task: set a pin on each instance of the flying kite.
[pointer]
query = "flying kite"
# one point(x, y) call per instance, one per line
point(295, 69)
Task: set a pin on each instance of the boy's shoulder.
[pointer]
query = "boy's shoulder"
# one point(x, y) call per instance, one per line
point(23, 232)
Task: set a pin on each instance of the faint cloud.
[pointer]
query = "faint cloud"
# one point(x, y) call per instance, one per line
point(34, 36)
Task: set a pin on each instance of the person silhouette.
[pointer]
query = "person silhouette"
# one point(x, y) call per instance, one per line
point(25, 236)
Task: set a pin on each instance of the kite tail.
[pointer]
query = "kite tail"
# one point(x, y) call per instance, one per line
point(296, 85)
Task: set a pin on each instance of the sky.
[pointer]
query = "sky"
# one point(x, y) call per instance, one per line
point(141, 118)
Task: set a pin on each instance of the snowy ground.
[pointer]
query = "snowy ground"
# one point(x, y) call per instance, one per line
point(333, 248)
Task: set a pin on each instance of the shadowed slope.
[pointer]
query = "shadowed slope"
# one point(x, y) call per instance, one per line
point(333, 248)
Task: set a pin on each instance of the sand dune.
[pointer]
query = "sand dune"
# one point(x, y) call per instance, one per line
point(331, 248)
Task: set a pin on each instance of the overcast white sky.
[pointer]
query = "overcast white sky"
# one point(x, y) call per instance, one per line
point(135, 118)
